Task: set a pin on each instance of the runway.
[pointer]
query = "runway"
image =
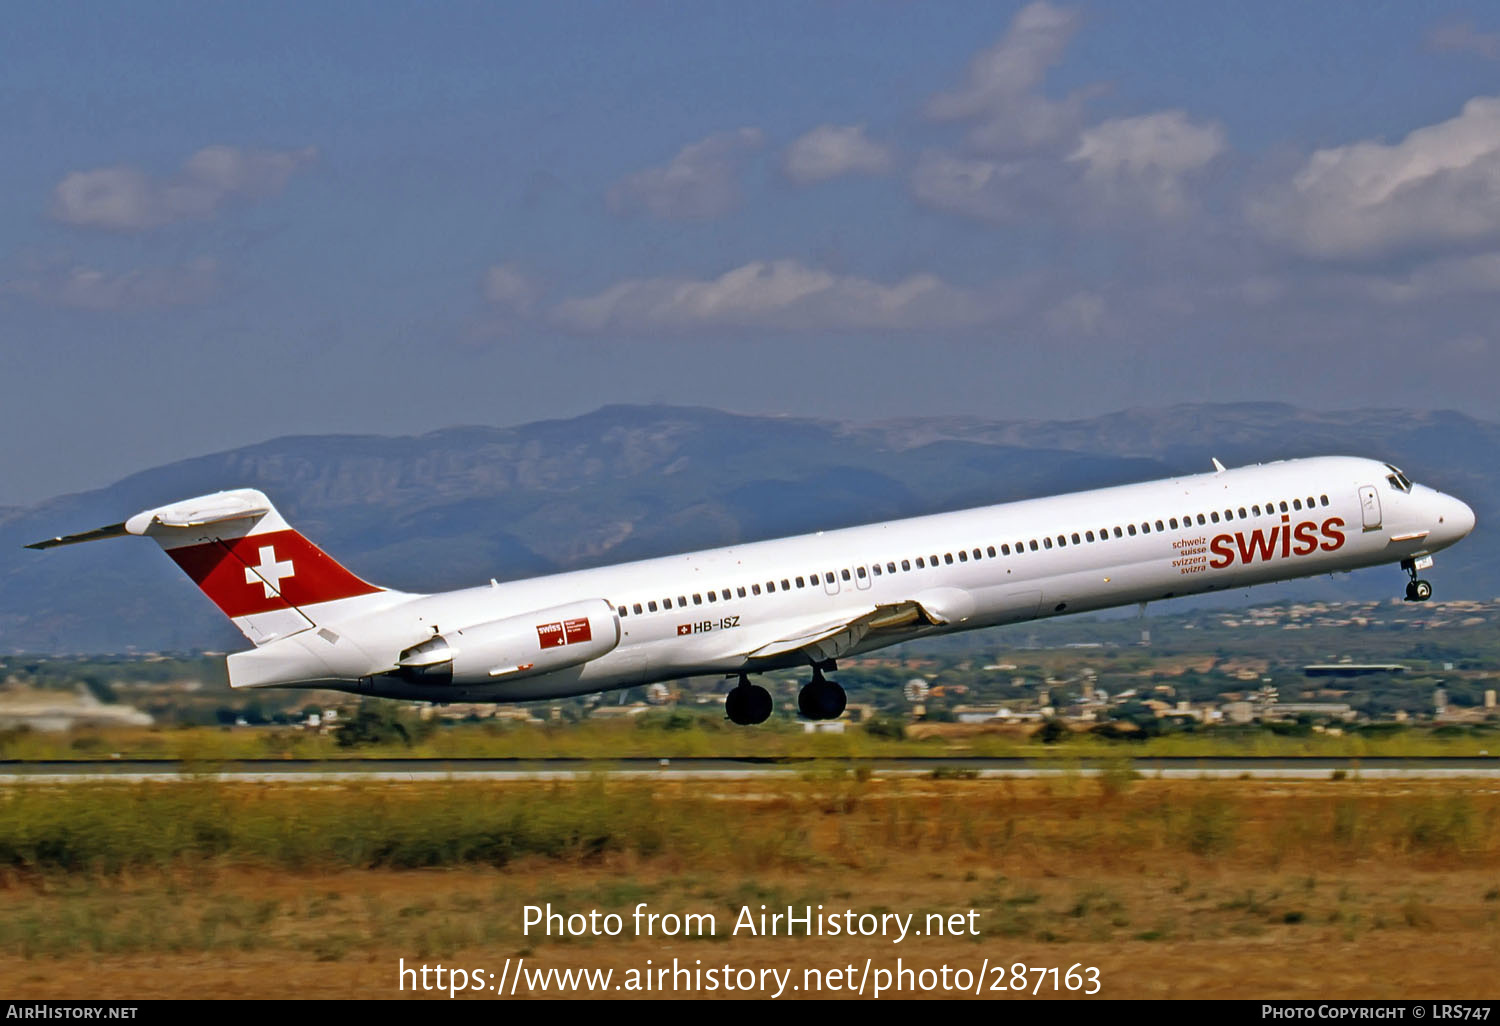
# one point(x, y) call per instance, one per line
point(22, 772)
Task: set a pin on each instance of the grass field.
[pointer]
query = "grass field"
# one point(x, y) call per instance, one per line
point(1171, 888)
point(708, 734)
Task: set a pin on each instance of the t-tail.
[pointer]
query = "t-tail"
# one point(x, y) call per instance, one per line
point(265, 576)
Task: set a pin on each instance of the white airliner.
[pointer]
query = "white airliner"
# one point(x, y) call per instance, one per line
point(803, 601)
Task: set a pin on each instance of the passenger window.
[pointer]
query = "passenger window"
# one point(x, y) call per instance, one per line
point(712, 597)
point(1076, 538)
point(1033, 545)
point(859, 572)
point(1310, 503)
point(1229, 514)
point(1160, 526)
point(933, 559)
point(1130, 528)
point(978, 555)
point(697, 599)
point(1146, 528)
point(666, 603)
point(920, 565)
point(905, 564)
point(963, 557)
point(1296, 504)
point(1005, 550)
point(622, 611)
point(1173, 522)
point(1323, 499)
point(787, 585)
point(755, 589)
point(1047, 543)
point(636, 609)
point(800, 583)
point(874, 569)
point(991, 551)
point(828, 577)
point(1255, 510)
point(740, 592)
point(1214, 516)
point(651, 606)
point(681, 601)
point(1062, 541)
point(1283, 505)
point(845, 574)
point(1089, 535)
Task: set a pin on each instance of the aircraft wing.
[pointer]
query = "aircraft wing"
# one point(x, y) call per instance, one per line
point(829, 639)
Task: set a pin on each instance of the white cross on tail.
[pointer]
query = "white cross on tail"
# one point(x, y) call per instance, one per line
point(270, 572)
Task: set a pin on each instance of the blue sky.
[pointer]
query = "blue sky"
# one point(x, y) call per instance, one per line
point(223, 223)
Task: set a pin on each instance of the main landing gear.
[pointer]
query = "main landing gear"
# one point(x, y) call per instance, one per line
point(747, 704)
point(820, 698)
point(1417, 590)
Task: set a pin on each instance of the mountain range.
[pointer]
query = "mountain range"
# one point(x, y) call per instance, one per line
point(461, 505)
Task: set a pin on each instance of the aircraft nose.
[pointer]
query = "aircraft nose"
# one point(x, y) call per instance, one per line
point(1457, 517)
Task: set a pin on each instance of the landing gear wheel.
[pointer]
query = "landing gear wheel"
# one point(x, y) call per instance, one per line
point(747, 704)
point(1418, 590)
point(821, 699)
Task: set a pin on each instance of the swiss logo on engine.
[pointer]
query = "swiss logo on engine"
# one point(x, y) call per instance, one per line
point(555, 635)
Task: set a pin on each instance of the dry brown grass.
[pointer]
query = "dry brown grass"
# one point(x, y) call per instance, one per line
point(1205, 889)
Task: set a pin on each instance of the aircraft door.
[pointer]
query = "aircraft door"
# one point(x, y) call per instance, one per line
point(862, 578)
point(1369, 505)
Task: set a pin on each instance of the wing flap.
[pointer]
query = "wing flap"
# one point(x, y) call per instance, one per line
point(830, 639)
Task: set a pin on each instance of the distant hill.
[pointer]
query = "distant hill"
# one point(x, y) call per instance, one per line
point(460, 505)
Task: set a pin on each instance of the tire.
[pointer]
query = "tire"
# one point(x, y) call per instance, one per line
point(757, 705)
point(735, 707)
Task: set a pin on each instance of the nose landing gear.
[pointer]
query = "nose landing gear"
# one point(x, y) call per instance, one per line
point(1417, 590)
point(747, 704)
point(820, 698)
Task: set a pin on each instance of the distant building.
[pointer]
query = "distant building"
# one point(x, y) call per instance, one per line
point(1351, 669)
point(1292, 710)
point(1238, 712)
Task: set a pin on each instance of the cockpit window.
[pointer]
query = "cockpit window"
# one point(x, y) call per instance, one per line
point(1398, 480)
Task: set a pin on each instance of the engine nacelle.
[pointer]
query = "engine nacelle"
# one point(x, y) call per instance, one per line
point(528, 645)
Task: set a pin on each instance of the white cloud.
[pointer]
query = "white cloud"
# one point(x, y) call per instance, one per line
point(701, 181)
point(1463, 37)
point(1440, 185)
point(127, 199)
point(152, 288)
point(982, 189)
point(1144, 159)
point(1477, 275)
point(1000, 96)
point(511, 288)
point(783, 295)
point(831, 151)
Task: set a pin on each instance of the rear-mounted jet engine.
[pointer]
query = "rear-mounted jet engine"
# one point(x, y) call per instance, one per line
point(516, 647)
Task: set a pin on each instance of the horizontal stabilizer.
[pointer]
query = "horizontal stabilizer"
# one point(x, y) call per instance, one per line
point(112, 531)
